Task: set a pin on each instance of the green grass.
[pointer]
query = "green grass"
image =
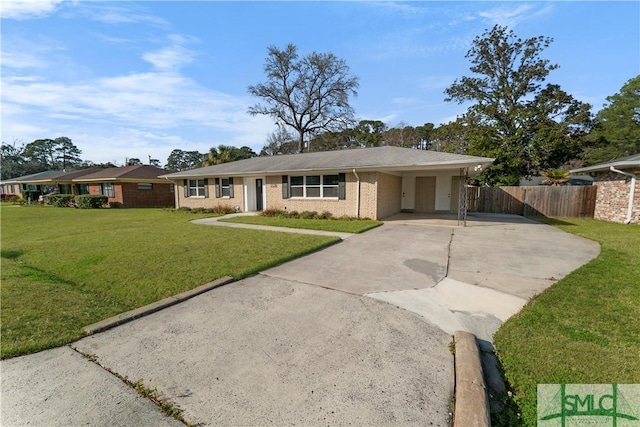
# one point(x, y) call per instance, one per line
point(586, 328)
point(63, 269)
point(343, 226)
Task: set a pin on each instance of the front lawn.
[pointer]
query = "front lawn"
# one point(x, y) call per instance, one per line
point(63, 268)
point(586, 328)
point(342, 226)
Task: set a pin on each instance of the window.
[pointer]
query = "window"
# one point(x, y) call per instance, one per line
point(196, 188)
point(315, 186)
point(145, 186)
point(297, 186)
point(108, 189)
point(82, 188)
point(226, 192)
point(330, 185)
point(224, 187)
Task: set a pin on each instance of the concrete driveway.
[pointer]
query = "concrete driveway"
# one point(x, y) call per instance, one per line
point(357, 333)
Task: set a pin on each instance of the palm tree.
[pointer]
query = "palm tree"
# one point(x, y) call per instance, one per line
point(225, 154)
point(555, 177)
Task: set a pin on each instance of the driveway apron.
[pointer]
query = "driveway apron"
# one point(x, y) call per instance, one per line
point(266, 350)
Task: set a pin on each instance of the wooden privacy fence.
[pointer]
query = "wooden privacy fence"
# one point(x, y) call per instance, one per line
point(565, 201)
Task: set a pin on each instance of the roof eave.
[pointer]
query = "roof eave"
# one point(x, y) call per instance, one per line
point(606, 167)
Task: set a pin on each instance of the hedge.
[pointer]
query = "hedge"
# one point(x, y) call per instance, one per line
point(60, 200)
point(90, 201)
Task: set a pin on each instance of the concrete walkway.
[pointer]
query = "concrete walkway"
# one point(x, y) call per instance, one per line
point(216, 221)
point(317, 340)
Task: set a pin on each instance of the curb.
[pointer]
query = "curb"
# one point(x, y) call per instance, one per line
point(471, 402)
point(128, 316)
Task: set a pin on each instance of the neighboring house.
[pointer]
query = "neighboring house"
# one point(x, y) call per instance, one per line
point(618, 196)
point(368, 182)
point(45, 182)
point(129, 186)
point(573, 180)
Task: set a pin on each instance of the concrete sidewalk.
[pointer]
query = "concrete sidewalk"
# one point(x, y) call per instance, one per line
point(215, 221)
point(317, 340)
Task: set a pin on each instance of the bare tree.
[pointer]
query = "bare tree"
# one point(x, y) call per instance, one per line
point(309, 94)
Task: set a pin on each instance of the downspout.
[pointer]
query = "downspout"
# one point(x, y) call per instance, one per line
point(357, 194)
point(632, 192)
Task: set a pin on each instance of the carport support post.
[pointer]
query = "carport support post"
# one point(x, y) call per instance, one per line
point(462, 196)
point(357, 194)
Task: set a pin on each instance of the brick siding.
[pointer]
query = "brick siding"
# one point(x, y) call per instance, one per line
point(389, 195)
point(377, 199)
point(612, 199)
point(128, 195)
point(212, 201)
point(337, 207)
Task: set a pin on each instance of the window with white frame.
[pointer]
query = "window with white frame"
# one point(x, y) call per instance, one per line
point(196, 188)
point(108, 189)
point(225, 186)
point(314, 186)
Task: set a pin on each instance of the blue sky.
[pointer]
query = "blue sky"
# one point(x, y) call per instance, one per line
point(138, 79)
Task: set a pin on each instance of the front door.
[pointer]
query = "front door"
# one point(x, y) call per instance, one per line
point(259, 194)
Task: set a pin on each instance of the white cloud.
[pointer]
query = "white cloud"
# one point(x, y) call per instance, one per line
point(111, 13)
point(16, 59)
point(510, 16)
point(404, 9)
point(27, 9)
point(171, 57)
point(150, 111)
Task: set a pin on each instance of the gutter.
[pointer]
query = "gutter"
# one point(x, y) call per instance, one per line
point(631, 192)
point(357, 194)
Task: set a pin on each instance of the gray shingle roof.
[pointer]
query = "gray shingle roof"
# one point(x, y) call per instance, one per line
point(629, 162)
point(377, 158)
point(49, 176)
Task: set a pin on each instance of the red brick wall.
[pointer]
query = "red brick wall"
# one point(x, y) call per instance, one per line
point(130, 196)
point(95, 189)
point(612, 200)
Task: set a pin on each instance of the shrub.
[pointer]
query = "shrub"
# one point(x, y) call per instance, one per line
point(115, 205)
point(223, 210)
point(325, 215)
point(184, 209)
point(60, 200)
point(308, 214)
point(90, 201)
point(16, 199)
point(293, 214)
point(273, 213)
point(6, 197)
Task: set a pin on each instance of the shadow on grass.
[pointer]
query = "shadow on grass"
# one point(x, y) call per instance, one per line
point(11, 254)
point(550, 221)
